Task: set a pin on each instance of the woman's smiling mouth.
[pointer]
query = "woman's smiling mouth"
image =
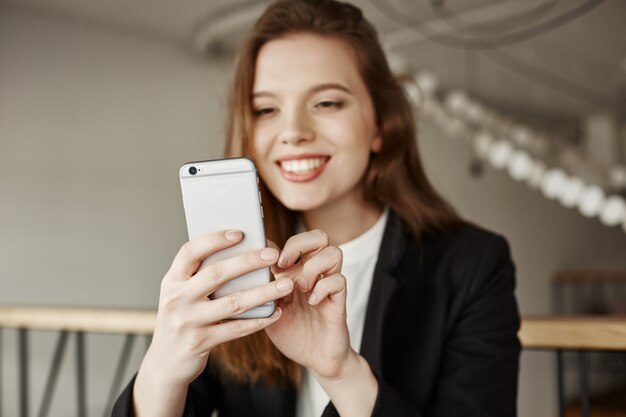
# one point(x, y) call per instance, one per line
point(302, 168)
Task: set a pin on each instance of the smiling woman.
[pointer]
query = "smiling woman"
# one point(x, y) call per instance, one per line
point(316, 122)
point(415, 314)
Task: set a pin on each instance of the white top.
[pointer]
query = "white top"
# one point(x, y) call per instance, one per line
point(359, 258)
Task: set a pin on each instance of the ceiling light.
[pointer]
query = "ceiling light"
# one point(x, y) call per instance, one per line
point(398, 62)
point(475, 112)
point(499, 154)
point(427, 82)
point(520, 165)
point(536, 174)
point(414, 94)
point(570, 194)
point(553, 183)
point(614, 211)
point(457, 101)
point(590, 201)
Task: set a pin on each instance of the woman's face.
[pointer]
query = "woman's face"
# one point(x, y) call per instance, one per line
point(314, 124)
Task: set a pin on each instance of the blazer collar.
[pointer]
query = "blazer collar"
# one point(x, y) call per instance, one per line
point(384, 286)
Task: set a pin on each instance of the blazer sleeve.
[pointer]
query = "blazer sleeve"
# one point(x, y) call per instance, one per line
point(481, 359)
point(479, 370)
point(202, 398)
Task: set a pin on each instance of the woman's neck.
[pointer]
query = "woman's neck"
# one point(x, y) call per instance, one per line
point(343, 220)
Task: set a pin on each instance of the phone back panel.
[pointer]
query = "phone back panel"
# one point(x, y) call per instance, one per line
point(224, 195)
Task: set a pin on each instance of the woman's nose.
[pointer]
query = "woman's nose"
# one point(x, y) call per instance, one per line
point(297, 129)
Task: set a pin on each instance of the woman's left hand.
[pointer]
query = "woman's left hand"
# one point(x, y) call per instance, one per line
point(313, 330)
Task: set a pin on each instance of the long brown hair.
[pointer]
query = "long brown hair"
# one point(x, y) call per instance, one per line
point(394, 178)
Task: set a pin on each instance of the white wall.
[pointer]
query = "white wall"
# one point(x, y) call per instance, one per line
point(93, 127)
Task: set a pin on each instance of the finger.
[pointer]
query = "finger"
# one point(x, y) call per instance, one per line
point(290, 272)
point(234, 329)
point(272, 244)
point(214, 275)
point(193, 252)
point(301, 244)
point(327, 262)
point(286, 300)
point(241, 301)
point(332, 287)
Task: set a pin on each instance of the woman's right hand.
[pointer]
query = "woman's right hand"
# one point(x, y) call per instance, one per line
point(189, 324)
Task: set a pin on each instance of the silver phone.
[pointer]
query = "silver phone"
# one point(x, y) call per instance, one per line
point(223, 194)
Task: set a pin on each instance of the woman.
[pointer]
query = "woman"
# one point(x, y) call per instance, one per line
point(388, 303)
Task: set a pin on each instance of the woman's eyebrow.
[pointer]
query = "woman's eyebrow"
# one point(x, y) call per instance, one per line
point(329, 86)
point(315, 89)
point(263, 94)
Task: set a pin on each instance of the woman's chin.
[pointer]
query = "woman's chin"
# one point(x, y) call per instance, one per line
point(303, 203)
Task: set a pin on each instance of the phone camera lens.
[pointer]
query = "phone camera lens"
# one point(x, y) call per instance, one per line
point(193, 170)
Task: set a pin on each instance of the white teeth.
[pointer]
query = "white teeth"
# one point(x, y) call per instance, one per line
point(302, 166)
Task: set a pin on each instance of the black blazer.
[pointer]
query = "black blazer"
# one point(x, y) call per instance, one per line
point(440, 335)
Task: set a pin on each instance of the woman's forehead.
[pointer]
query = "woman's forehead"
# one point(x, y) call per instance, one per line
point(297, 62)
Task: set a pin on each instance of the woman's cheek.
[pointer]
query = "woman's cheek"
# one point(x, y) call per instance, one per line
point(261, 146)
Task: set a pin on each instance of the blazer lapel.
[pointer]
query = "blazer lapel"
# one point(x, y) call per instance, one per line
point(384, 287)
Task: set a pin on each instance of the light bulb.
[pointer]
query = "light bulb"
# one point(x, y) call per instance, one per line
point(414, 94)
point(427, 82)
point(457, 102)
point(590, 201)
point(398, 63)
point(614, 211)
point(552, 183)
point(520, 166)
point(475, 112)
point(536, 174)
point(499, 154)
point(571, 192)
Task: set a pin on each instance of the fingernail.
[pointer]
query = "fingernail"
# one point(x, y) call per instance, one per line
point(284, 284)
point(312, 298)
point(269, 254)
point(233, 235)
point(282, 262)
point(277, 313)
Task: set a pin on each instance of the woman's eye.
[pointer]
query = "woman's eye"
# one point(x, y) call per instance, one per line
point(263, 111)
point(329, 104)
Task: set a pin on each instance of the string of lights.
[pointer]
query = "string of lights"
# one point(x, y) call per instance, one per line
point(520, 151)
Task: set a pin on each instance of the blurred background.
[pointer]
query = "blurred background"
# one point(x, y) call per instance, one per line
point(522, 115)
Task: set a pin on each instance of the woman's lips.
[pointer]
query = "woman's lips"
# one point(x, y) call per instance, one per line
point(302, 168)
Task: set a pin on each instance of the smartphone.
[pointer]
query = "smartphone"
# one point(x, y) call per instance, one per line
point(224, 194)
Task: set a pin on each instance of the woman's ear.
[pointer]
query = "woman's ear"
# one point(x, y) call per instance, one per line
point(377, 142)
